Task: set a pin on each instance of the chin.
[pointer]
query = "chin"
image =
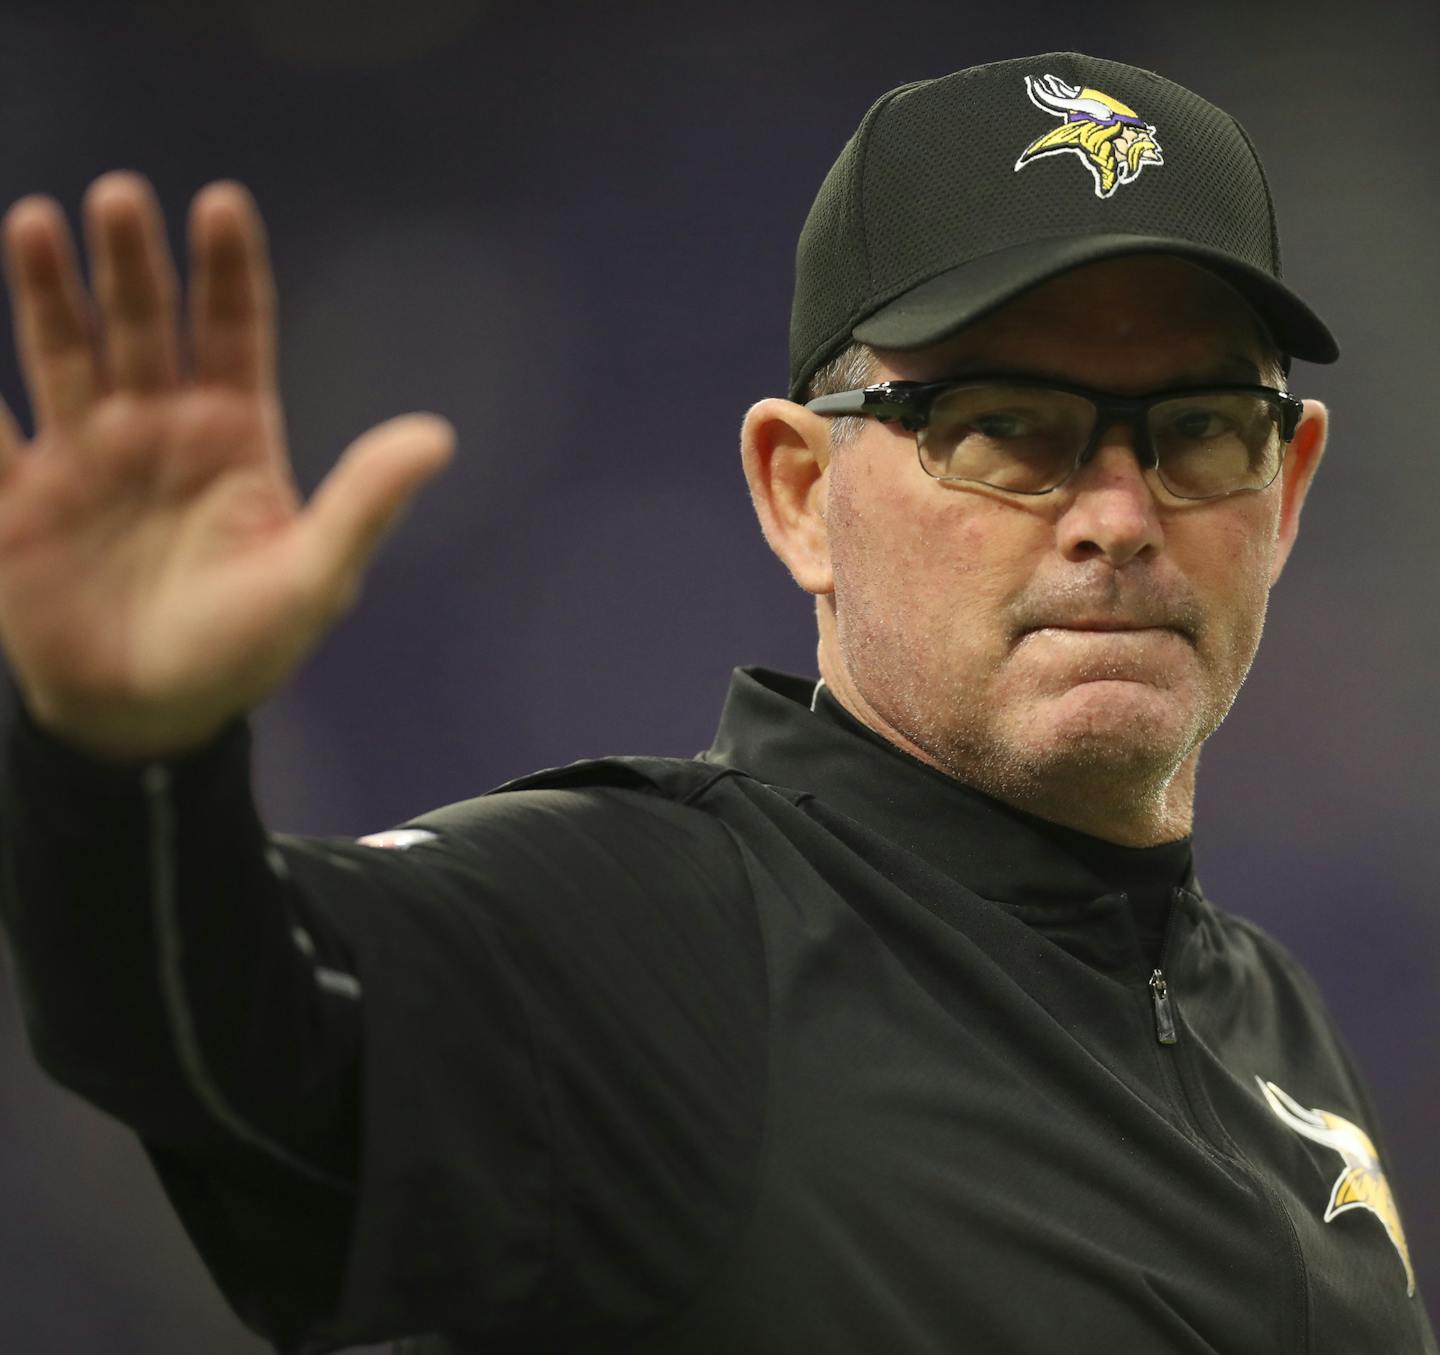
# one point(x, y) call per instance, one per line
point(1125, 725)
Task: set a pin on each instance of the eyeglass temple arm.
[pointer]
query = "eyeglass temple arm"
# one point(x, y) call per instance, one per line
point(889, 400)
point(846, 402)
point(1292, 411)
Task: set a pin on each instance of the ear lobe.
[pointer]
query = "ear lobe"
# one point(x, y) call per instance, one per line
point(786, 452)
point(1302, 460)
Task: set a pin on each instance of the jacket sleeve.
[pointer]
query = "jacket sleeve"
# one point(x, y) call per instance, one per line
point(500, 1081)
point(169, 972)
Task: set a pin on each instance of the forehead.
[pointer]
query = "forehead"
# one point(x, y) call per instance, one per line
point(1136, 322)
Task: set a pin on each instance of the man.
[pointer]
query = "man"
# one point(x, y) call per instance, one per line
point(896, 1021)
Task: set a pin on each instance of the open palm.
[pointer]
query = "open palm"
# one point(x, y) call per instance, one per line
point(158, 572)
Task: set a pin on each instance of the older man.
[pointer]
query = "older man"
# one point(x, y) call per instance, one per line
point(896, 1021)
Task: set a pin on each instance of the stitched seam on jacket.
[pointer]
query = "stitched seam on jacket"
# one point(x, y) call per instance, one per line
point(160, 819)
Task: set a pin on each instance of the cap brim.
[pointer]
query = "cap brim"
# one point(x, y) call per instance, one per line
point(938, 308)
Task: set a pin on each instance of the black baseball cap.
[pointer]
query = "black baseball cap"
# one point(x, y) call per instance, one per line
point(957, 194)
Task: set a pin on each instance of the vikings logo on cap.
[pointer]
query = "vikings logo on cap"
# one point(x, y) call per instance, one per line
point(1362, 1185)
point(1114, 141)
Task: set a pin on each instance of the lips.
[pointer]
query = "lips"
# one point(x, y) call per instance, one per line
point(1106, 625)
point(1105, 601)
point(1098, 625)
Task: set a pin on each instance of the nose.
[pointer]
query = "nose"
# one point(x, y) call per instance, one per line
point(1109, 509)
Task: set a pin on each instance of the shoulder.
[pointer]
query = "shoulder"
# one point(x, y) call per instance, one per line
point(1263, 954)
point(585, 851)
point(622, 807)
point(1239, 956)
point(1273, 991)
point(564, 858)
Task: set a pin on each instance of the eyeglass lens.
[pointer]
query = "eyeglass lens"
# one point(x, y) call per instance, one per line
point(1027, 439)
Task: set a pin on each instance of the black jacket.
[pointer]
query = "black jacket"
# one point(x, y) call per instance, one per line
point(798, 1046)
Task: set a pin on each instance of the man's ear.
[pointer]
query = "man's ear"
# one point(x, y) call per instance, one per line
point(786, 451)
point(1302, 460)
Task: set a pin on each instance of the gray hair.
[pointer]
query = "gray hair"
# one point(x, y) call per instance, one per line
point(850, 369)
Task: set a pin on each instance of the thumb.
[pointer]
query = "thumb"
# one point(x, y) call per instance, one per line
point(364, 494)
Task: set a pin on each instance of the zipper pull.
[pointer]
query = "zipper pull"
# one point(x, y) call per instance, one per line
point(1164, 1017)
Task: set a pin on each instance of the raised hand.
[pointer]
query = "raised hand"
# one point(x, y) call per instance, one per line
point(158, 572)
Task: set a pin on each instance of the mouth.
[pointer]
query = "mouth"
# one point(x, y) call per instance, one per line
point(1096, 625)
point(1102, 626)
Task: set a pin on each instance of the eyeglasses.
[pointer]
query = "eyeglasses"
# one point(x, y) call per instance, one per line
point(1029, 436)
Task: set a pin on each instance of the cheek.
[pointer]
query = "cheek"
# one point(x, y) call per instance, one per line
point(972, 559)
point(926, 565)
point(865, 513)
point(1232, 574)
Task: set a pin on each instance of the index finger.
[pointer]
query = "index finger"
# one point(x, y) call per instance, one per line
point(232, 292)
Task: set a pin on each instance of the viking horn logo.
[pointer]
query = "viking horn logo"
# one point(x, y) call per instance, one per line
point(1362, 1185)
point(1113, 140)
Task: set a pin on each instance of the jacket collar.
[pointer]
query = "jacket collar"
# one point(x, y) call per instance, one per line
point(768, 730)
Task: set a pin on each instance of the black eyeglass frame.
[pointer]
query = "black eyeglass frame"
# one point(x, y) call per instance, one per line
point(908, 402)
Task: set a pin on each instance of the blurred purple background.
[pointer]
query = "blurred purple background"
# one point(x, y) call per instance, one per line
point(570, 228)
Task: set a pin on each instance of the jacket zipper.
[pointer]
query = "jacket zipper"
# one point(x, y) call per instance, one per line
point(1164, 1016)
point(1166, 1034)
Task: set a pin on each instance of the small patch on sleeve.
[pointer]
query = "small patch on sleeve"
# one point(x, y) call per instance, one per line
point(397, 839)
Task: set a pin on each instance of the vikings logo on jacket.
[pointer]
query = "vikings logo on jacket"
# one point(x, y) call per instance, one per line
point(1114, 141)
point(1362, 1185)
